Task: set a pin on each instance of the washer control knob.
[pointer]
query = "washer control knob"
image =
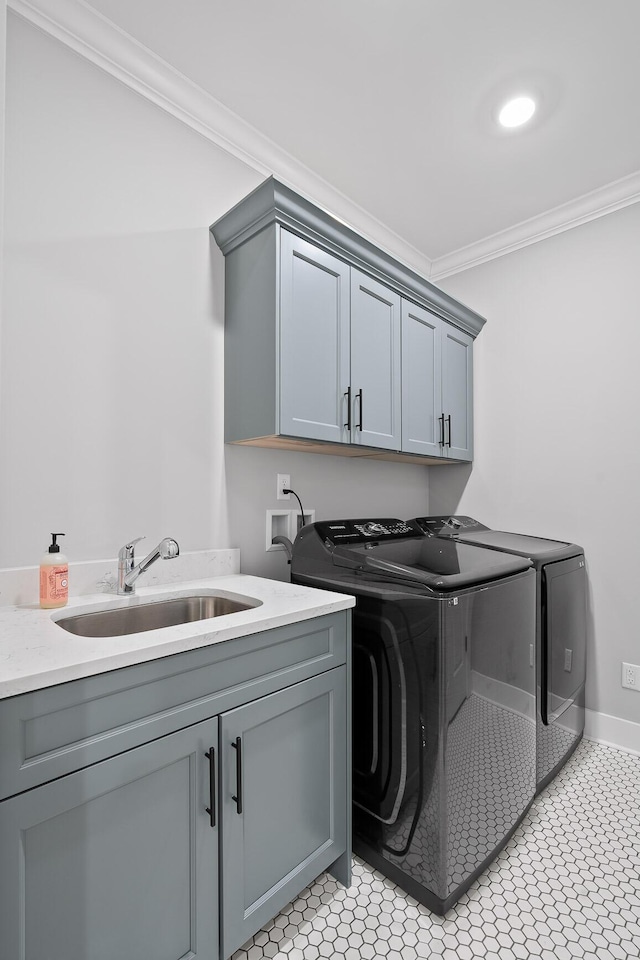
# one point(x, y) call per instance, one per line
point(371, 528)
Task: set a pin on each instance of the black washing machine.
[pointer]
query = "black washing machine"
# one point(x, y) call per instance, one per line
point(561, 631)
point(444, 723)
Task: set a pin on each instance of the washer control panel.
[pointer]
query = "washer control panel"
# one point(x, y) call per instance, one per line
point(360, 531)
point(448, 526)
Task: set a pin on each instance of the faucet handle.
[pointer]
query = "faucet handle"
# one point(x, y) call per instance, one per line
point(127, 551)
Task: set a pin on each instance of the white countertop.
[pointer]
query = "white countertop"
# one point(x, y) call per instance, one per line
point(35, 652)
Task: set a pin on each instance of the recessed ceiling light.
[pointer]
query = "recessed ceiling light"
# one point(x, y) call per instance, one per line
point(517, 111)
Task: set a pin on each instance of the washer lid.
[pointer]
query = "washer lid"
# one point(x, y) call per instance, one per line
point(535, 547)
point(439, 564)
point(467, 530)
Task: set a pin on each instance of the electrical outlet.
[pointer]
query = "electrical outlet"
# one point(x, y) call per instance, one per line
point(283, 482)
point(568, 657)
point(631, 676)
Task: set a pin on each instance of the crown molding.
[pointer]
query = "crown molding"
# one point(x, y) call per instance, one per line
point(97, 39)
point(275, 203)
point(598, 203)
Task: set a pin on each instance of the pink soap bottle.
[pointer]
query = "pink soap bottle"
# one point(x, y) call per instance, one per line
point(54, 576)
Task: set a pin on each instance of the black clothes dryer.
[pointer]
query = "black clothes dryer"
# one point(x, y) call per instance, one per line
point(561, 633)
point(444, 725)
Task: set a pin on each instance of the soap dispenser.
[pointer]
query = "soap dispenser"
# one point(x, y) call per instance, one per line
point(54, 576)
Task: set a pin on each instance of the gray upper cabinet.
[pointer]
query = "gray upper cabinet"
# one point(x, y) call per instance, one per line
point(314, 355)
point(339, 350)
point(375, 363)
point(327, 343)
point(437, 386)
point(457, 393)
point(421, 381)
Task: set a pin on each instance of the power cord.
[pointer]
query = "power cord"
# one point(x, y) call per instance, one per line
point(289, 490)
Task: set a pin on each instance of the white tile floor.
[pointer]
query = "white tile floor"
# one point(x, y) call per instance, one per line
point(566, 885)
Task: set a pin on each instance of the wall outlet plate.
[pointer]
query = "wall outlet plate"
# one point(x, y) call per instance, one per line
point(283, 482)
point(631, 676)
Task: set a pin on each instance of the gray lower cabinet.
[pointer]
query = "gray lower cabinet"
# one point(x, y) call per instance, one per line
point(118, 860)
point(437, 386)
point(283, 789)
point(166, 811)
point(333, 346)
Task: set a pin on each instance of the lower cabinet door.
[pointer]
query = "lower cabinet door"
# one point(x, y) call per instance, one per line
point(283, 799)
point(115, 861)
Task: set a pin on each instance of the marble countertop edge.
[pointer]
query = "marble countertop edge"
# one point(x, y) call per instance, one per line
point(36, 653)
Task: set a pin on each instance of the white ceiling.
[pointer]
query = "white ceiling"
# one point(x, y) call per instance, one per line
point(392, 101)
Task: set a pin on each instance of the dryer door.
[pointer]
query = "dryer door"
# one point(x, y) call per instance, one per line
point(564, 627)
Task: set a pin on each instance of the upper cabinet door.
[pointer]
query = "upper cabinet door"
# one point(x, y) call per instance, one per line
point(375, 363)
point(314, 342)
point(457, 392)
point(422, 424)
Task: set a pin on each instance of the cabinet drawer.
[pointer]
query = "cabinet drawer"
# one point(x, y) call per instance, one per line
point(48, 733)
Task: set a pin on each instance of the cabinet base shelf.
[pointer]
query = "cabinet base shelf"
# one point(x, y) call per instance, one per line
point(276, 442)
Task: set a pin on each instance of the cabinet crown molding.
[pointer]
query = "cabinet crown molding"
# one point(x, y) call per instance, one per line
point(274, 202)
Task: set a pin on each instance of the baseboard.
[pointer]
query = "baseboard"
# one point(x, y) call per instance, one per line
point(612, 731)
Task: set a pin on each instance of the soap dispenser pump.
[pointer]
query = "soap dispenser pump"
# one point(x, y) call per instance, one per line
point(54, 576)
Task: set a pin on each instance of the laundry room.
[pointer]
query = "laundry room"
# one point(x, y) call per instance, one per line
point(165, 165)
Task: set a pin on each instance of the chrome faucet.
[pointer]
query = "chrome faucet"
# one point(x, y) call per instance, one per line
point(167, 549)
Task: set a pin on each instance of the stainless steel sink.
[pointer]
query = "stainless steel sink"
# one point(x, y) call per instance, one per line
point(153, 616)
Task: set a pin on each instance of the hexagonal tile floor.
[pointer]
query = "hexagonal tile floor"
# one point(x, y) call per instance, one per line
point(566, 885)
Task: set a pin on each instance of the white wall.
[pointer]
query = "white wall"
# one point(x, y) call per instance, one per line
point(113, 323)
point(112, 376)
point(111, 411)
point(3, 49)
point(557, 435)
point(334, 487)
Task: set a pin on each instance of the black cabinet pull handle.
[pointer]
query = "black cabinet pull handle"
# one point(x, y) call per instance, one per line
point(449, 422)
point(348, 396)
point(211, 810)
point(237, 746)
point(359, 397)
point(441, 422)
